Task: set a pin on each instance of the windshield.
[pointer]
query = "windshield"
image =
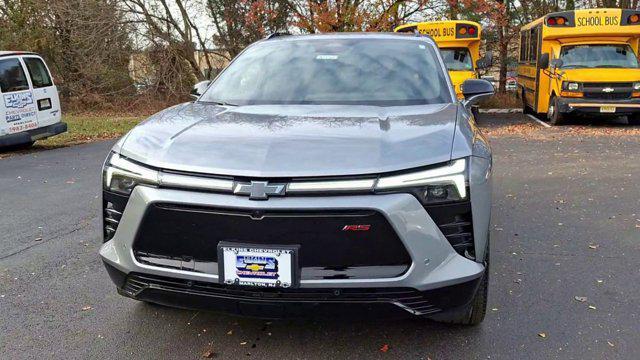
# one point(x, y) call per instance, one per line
point(598, 56)
point(333, 71)
point(457, 59)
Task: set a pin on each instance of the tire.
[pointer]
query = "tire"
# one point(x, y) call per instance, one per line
point(525, 108)
point(474, 313)
point(555, 117)
point(633, 119)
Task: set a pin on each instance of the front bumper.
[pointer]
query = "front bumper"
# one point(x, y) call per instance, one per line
point(592, 106)
point(436, 269)
point(293, 303)
point(33, 135)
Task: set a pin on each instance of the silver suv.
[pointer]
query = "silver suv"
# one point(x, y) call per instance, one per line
point(317, 175)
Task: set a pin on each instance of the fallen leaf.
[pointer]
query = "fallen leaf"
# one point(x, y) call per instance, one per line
point(494, 309)
point(38, 239)
point(230, 332)
point(243, 343)
point(542, 335)
point(593, 247)
point(591, 307)
point(86, 308)
point(208, 354)
point(384, 348)
point(599, 281)
point(610, 343)
point(580, 298)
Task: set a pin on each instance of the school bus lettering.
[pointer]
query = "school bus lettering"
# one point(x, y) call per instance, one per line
point(439, 32)
point(598, 21)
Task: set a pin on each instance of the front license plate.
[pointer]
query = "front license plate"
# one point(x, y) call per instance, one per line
point(256, 265)
point(607, 109)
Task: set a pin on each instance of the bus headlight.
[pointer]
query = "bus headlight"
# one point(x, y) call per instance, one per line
point(636, 86)
point(570, 86)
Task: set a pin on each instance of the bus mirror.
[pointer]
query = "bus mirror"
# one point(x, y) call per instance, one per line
point(475, 90)
point(543, 61)
point(556, 63)
point(485, 62)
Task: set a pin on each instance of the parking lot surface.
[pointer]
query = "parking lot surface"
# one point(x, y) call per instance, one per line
point(564, 274)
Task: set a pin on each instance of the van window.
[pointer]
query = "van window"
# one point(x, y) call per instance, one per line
point(12, 77)
point(38, 72)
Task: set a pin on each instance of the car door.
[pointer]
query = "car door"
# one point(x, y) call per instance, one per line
point(18, 110)
point(45, 93)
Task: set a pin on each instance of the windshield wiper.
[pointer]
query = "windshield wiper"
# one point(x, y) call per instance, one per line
point(223, 103)
point(609, 66)
point(575, 66)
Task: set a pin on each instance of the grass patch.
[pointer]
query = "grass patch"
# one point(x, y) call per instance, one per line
point(87, 128)
point(507, 100)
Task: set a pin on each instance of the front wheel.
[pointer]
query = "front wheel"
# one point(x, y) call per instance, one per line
point(633, 119)
point(553, 114)
point(474, 313)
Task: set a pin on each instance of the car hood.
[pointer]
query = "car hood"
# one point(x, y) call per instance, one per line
point(293, 141)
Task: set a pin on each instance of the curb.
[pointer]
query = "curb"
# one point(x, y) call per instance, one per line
point(500, 111)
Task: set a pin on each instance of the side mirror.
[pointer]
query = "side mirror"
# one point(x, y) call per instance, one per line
point(556, 63)
point(485, 62)
point(199, 89)
point(543, 61)
point(475, 90)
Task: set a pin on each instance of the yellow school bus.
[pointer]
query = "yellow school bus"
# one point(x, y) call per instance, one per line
point(459, 43)
point(581, 61)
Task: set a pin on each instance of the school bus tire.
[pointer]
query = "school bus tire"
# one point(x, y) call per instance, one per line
point(525, 108)
point(555, 117)
point(633, 119)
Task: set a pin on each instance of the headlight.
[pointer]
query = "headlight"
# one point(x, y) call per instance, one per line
point(571, 86)
point(442, 184)
point(636, 86)
point(122, 176)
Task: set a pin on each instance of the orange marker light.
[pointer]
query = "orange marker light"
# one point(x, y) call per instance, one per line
point(463, 30)
point(634, 18)
point(560, 21)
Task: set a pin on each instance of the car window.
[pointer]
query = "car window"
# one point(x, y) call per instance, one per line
point(12, 77)
point(334, 71)
point(38, 72)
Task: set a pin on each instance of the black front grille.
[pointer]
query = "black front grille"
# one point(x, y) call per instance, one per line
point(411, 299)
point(609, 96)
point(454, 220)
point(187, 237)
point(612, 91)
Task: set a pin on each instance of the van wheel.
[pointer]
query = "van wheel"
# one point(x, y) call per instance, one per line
point(633, 119)
point(473, 314)
point(553, 114)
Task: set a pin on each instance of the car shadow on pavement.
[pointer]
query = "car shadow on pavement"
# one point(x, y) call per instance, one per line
point(235, 335)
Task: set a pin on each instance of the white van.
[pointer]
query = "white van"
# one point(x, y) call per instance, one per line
point(29, 103)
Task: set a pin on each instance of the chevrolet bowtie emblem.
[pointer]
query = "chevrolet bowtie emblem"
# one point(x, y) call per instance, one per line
point(607, 90)
point(259, 190)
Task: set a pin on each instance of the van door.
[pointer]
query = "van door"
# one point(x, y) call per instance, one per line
point(18, 111)
point(45, 93)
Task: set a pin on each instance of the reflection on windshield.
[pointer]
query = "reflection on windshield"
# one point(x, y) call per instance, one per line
point(598, 56)
point(333, 71)
point(457, 59)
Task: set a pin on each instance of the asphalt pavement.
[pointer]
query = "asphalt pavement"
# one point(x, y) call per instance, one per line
point(564, 277)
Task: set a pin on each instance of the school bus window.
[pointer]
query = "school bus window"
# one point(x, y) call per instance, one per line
point(457, 59)
point(598, 56)
point(533, 49)
point(523, 44)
